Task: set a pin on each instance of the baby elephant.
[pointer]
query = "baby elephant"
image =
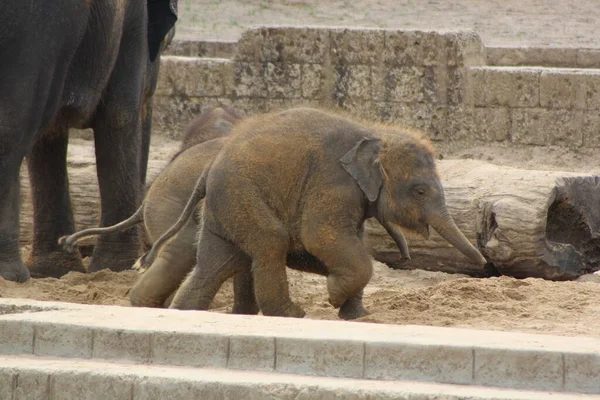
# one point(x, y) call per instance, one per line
point(299, 184)
point(165, 201)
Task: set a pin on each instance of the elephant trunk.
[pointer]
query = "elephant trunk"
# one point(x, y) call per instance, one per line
point(443, 223)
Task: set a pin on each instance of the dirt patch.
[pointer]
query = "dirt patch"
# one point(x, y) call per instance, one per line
point(392, 297)
point(555, 23)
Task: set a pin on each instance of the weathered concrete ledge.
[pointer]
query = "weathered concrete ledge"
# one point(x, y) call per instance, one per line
point(335, 349)
point(53, 378)
point(202, 48)
point(564, 57)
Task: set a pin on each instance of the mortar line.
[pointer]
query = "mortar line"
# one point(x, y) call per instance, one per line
point(33, 342)
point(48, 386)
point(14, 383)
point(275, 354)
point(228, 351)
point(364, 360)
point(93, 342)
point(564, 371)
point(473, 365)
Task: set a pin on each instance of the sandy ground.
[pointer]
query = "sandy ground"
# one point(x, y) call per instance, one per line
point(394, 296)
point(563, 23)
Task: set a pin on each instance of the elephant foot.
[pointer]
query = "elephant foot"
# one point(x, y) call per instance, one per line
point(115, 261)
point(294, 311)
point(245, 309)
point(14, 271)
point(352, 309)
point(54, 264)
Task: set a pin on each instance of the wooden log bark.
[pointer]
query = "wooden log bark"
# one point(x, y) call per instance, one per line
point(528, 223)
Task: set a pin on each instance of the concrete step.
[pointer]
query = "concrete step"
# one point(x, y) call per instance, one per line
point(301, 346)
point(202, 48)
point(56, 378)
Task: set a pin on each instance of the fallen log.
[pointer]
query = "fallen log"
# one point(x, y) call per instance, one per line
point(527, 223)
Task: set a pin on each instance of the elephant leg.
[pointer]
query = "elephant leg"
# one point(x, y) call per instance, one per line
point(304, 261)
point(244, 301)
point(217, 261)
point(11, 266)
point(166, 273)
point(118, 146)
point(52, 212)
point(348, 262)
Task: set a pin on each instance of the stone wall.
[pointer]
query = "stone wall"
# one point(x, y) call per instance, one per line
point(435, 81)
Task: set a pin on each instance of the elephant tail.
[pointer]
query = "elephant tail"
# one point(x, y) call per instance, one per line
point(198, 194)
point(69, 242)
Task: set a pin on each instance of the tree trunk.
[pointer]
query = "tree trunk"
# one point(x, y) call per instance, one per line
point(528, 223)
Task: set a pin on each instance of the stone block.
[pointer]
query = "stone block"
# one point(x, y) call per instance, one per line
point(249, 80)
point(371, 110)
point(196, 77)
point(403, 84)
point(172, 114)
point(512, 87)
point(283, 80)
point(198, 350)
point(256, 353)
point(165, 388)
point(17, 337)
point(89, 386)
point(6, 383)
point(340, 358)
point(532, 56)
point(588, 58)
point(491, 124)
point(429, 118)
point(530, 369)
point(414, 48)
point(462, 49)
point(63, 341)
point(313, 81)
point(539, 126)
point(352, 82)
point(420, 362)
point(591, 128)
point(128, 345)
point(251, 106)
point(561, 90)
point(30, 385)
point(581, 372)
point(284, 44)
point(357, 46)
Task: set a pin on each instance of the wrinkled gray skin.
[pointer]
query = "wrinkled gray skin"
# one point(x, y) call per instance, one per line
point(75, 64)
point(162, 206)
point(302, 182)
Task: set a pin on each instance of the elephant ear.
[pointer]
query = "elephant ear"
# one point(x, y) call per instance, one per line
point(362, 163)
point(162, 15)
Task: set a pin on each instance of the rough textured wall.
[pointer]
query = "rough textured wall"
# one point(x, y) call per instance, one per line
point(435, 81)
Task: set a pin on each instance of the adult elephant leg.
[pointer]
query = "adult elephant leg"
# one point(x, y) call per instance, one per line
point(217, 260)
point(304, 261)
point(11, 266)
point(118, 145)
point(174, 262)
point(53, 215)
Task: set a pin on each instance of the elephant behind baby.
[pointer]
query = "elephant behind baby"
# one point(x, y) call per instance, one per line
point(75, 64)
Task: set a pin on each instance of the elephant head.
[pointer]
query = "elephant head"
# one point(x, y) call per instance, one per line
point(397, 174)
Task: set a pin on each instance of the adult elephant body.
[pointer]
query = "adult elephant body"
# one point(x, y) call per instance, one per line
point(75, 64)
